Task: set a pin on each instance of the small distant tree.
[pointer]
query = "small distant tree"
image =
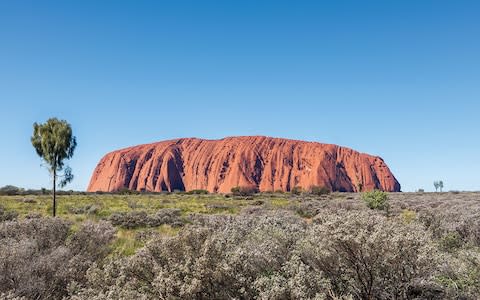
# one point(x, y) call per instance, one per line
point(436, 184)
point(54, 142)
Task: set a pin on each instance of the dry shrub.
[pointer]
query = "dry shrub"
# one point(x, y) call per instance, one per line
point(460, 274)
point(319, 190)
point(7, 215)
point(368, 255)
point(38, 258)
point(275, 256)
point(311, 208)
point(308, 209)
point(136, 219)
point(461, 222)
point(346, 251)
point(91, 209)
point(244, 190)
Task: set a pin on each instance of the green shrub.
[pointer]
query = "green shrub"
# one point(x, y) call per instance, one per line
point(308, 209)
point(197, 192)
point(376, 200)
point(244, 190)
point(451, 242)
point(319, 190)
point(127, 191)
point(297, 190)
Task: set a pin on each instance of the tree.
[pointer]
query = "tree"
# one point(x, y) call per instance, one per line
point(436, 184)
point(53, 141)
point(10, 190)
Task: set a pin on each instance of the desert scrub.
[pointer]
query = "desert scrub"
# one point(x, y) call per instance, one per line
point(444, 222)
point(244, 191)
point(408, 216)
point(369, 256)
point(319, 190)
point(276, 256)
point(296, 190)
point(91, 209)
point(451, 242)
point(126, 242)
point(7, 215)
point(460, 274)
point(376, 200)
point(217, 260)
point(219, 208)
point(197, 192)
point(307, 209)
point(136, 219)
point(263, 252)
point(40, 257)
point(279, 203)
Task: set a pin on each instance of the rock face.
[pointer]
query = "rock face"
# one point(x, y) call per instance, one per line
point(269, 164)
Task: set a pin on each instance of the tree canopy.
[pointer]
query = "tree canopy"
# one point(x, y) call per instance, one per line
point(54, 142)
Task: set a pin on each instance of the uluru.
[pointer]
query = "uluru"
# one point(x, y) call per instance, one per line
point(265, 163)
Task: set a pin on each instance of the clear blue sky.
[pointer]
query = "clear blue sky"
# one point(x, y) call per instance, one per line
point(399, 79)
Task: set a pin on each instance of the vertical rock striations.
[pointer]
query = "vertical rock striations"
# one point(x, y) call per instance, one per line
point(269, 164)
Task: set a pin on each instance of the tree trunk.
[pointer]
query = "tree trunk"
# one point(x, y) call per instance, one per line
point(54, 192)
